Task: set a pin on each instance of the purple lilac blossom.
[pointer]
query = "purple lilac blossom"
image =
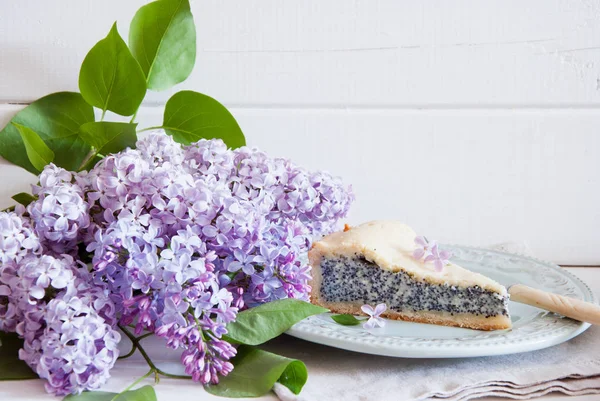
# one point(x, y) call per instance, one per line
point(192, 234)
point(17, 237)
point(439, 257)
point(374, 316)
point(76, 349)
point(423, 248)
point(65, 322)
point(25, 283)
point(429, 251)
point(240, 203)
point(60, 214)
point(178, 240)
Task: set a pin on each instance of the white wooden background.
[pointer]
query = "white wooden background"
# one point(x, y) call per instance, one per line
point(474, 122)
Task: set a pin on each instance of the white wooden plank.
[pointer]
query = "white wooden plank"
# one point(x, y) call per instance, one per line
point(473, 177)
point(362, 53)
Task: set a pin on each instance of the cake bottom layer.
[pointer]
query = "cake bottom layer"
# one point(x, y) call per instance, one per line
point(464, 320)
point(344, 284)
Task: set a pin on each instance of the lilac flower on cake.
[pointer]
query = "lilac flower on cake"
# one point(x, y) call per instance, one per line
point(423, 247)
point(439, 257)
point(430, 252)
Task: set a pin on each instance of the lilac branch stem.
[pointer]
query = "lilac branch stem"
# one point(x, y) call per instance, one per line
point(136, 345)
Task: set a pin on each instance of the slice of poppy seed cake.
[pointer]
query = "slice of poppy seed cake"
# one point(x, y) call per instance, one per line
point(385, 262)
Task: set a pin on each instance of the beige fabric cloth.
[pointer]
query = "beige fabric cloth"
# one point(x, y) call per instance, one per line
point(571, 368)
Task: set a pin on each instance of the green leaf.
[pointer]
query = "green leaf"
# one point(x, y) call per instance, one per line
point(346, 320)
point(108, 137)
point(56, 118)
point(110, 78)
point(162, 38)
point(145, 393)
point(39, 154)
point(191, 116)
point(294, 376)
point(24, 198)
point(256, 371)
point(257, 325)
point(11, 367)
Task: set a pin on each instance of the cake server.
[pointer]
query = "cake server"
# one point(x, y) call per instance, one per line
point(569, 307)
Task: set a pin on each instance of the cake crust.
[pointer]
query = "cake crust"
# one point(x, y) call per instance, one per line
point(463, 320)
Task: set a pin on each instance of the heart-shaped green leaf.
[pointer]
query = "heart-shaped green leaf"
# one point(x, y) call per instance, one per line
point(191, 116)
point(38, 152)
point(110, 78)
point(24, 198)
point(346, 320)
point(11, 367)
point(145, 393)
point(256, 371)
point(162, 38)
point(260, 324)
point(108, 137)
point(56, 118)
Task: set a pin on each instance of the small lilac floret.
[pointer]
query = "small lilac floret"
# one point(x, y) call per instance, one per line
point(374, 316)
point(430, 252)
point(374, 320)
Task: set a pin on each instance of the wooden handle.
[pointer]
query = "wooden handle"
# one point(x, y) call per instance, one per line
point(570, 307)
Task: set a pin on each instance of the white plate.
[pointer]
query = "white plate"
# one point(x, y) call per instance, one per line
point(532, 329)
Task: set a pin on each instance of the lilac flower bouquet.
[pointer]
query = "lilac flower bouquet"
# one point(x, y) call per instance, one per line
point(165, 239)
point(168, 234)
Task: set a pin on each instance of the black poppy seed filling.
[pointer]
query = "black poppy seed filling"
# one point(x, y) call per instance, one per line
point(356, 279)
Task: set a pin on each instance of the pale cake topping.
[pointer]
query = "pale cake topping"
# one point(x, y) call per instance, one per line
point(390, 245)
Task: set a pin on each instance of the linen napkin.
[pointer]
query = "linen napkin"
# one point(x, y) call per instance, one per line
point(571, 368)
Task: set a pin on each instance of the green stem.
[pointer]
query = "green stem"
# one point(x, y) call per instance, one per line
point(131, 352)
point(135, 341)
point(136, 344)
point(134, 116)
point(172, 376)
point(88, 158)
point(150, 128)
point(151, 371)
point(103, 114)
point(140, 338)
